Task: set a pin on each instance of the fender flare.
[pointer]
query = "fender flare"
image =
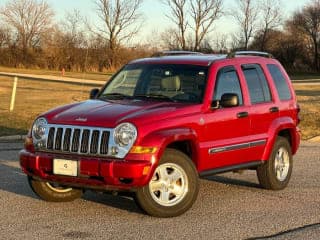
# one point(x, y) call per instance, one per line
point(283, 123)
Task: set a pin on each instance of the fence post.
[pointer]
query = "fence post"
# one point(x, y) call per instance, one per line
point(13, 96)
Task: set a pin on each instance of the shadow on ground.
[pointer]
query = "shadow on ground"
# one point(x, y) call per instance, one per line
point(14, 181)
point(232, 181)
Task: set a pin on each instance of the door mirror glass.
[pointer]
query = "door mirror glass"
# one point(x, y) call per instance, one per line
point(229, 100)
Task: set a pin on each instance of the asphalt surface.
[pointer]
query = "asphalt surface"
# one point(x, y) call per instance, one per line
point(229, 206)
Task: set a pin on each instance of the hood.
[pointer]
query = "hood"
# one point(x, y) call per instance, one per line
point(109, 114)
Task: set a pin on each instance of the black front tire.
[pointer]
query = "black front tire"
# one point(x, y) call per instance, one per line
point(177, 178)
point(275, 173)
point(54, 193)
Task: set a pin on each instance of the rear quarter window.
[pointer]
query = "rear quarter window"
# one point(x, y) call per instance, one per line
point(280, 82)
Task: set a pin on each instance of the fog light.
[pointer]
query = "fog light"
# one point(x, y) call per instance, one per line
point(114, 150)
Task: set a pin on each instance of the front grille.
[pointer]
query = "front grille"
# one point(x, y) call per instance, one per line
point(80, 140)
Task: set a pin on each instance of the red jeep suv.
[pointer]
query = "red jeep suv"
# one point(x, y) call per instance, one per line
point(161, 123)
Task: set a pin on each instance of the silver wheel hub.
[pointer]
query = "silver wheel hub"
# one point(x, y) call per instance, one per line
point(169, 184)
point(282, 164)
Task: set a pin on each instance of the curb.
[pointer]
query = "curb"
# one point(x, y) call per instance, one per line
point(13, 138)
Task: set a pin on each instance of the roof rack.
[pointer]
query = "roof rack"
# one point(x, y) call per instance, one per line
point(175, 53)
point(249, 53)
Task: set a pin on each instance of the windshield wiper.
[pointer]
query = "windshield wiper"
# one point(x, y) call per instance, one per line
point(154, 96)
point(115, 96)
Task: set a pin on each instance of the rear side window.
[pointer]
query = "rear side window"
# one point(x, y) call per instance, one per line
point(227, 82)
point(257, 84)
point(280, 82)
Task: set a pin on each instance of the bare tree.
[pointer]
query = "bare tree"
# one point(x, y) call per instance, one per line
point(119, 18)
point(221, 43)
point(178, 15)
point(271, 19)
point(204, 13)
point(29, 18)
point(308, 21)
point(247, 18)
point(4, 37)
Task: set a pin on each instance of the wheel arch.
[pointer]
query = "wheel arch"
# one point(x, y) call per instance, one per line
point(283, 127)
point(181, 139)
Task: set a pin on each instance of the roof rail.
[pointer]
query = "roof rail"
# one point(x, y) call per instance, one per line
point(175, 53)
point(249, 53)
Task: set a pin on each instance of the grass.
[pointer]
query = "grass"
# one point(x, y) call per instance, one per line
point(77, 75)
point(309, 101)
point(35, 97)
point(304, 76)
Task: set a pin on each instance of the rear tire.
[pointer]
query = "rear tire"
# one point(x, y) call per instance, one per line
point(54, 193)
point(275, 173)
point(173, 188)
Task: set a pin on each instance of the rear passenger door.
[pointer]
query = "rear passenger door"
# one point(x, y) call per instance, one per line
point(263, 110)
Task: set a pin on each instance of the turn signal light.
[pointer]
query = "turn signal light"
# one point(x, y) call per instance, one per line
point(143, 150)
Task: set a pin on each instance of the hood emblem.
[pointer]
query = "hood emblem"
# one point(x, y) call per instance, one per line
point(81, 119)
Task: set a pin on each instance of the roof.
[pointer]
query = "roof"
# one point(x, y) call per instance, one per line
point(197, 58)
point(193, 59)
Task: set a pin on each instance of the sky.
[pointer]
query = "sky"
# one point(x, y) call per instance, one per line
point(154, 14)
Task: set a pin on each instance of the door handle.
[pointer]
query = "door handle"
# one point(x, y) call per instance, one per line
point(274, 109)
point(242, 114)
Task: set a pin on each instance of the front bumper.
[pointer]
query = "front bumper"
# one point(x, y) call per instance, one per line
point(94, 173)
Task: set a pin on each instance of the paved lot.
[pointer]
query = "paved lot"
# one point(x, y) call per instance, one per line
point(229, 206)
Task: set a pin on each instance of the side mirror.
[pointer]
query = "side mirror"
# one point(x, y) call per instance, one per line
point(229, 100)
point(93, 93)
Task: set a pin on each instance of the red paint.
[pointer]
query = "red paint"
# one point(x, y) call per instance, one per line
point(160, 124)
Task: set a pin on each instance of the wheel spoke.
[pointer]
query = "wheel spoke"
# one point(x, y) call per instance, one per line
point(174, 176)
point(177, 190)
point(155, 186)
point(164, 196)
point(163, 172)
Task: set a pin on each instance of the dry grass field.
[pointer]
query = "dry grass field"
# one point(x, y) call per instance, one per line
point(77, 75)
point(309, 100)
point(34, 97)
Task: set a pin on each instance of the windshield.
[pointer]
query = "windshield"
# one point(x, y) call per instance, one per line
point(170, 82)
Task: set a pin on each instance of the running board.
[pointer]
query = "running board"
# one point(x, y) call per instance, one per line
point(230, 168)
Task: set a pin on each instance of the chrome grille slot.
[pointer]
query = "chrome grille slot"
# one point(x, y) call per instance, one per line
point(81, 140)
point(75, 140)
point(104, 142)
point(50, 138)
point(58, 139)
point(85, 141)
point(66, 139)
point(94, 142)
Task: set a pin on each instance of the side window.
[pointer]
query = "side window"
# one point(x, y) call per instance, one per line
point(227, 82)
point(280, 82)
point(257, 84)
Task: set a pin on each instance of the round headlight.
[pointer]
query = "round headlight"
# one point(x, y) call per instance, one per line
point(125, 134)
point(39, 128)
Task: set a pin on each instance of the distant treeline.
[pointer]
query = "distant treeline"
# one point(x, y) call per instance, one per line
point(31, 38)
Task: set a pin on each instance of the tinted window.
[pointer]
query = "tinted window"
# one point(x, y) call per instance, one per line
point(227, 82)
point(280, 82)
point(257, 84)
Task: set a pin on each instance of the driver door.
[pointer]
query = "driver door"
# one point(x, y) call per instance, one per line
point(227, 129)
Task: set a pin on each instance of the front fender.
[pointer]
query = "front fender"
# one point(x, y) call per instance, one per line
point(161, 139)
